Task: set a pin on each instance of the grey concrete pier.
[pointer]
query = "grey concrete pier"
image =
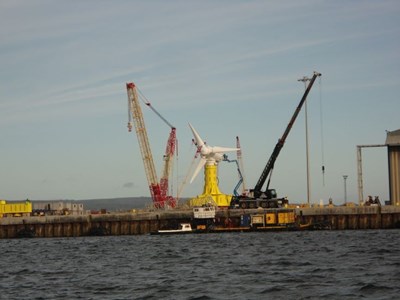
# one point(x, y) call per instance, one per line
point(144, 222)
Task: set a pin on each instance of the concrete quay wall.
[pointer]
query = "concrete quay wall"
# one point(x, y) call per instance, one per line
point(357, 217)
point(91, 225)
point(336, 218)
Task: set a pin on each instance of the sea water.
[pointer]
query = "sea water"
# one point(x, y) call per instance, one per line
point(363, 264)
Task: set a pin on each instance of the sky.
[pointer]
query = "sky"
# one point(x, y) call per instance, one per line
point(230, 68)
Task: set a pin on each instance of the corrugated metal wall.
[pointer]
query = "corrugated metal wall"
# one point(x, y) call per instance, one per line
point(394, 174)
point(393, 142)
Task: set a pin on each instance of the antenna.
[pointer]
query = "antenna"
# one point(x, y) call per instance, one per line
point(322, 133)
point(305, 79)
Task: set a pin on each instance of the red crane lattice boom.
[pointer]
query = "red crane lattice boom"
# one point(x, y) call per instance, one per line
point(159, 190)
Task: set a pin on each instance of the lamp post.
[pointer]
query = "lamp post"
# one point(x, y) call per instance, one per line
point(305, 79)
point(345, 188)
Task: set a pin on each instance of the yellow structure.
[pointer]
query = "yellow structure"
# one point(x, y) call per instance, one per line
point(276, 217)
point(209, 158)
point(211, 192)
point(286, 217)
point(16, 209)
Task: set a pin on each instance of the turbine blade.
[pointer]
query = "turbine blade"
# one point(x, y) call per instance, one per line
point(217, 149)
point(199, 141)
point(201, 164)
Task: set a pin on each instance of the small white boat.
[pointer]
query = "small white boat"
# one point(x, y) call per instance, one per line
point(183, 228)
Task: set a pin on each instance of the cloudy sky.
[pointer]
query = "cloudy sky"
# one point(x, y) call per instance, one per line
point(230, 68)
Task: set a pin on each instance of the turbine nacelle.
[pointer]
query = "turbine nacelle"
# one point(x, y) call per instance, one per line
point(209, 155)
point(218, 157)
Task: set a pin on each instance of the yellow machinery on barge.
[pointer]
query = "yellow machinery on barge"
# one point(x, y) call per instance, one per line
point(274, 219)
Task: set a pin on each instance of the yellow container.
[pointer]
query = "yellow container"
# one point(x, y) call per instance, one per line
point(257, 219)
point(291, 217)
point(270, 218)
point(286, 217)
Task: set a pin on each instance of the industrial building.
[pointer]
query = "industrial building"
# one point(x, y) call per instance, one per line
point(393, 145)
point(58, 207)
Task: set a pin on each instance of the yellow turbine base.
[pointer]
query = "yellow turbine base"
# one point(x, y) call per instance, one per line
point(220, 200)
point(211, 193)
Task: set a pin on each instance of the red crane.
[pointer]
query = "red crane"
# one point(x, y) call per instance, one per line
point(159, 190)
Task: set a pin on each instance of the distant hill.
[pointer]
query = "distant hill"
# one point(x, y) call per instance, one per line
point(116, 204)
point(119, 204)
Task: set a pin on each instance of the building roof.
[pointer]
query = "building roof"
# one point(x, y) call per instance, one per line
point(393, 138)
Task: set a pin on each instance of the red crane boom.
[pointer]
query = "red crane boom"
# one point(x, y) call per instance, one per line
point(158, 190)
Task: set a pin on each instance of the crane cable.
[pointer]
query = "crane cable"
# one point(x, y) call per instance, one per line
point(147, 102)
point(322, 132)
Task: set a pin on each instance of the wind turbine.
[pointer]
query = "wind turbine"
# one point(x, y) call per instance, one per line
point(210, 156)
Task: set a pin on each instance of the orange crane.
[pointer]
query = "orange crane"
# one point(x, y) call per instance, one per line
point(159, 190)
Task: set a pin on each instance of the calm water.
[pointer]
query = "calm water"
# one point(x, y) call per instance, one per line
point(288, 265)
